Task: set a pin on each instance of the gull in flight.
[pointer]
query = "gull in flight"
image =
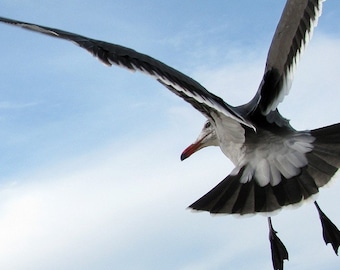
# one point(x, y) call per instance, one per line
point(275, 165)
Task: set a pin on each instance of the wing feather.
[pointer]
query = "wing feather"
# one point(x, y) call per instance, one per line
point(294, 31)
point(184, 86)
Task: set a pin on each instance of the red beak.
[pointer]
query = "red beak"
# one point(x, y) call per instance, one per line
point(190, 150)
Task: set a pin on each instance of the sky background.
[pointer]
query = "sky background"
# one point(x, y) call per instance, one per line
point(90, 170)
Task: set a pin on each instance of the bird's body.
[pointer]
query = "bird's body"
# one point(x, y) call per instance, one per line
point(275, 165)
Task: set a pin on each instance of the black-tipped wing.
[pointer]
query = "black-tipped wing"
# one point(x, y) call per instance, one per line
point(292, 34)
point(182, 85)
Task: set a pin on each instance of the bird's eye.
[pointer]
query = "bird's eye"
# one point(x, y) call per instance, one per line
point(207, 124)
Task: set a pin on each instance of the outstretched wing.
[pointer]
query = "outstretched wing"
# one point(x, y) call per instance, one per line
point(292, 35)
point(182, 85)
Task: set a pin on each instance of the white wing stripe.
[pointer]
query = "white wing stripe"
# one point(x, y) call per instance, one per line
point(289, 72)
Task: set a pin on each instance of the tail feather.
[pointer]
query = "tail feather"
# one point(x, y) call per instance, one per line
point(265, 199)
point(216, 201)
point(307, 184)
point(328, 134)
point(320, 169)
point(331, 158)
point(293, 190)
point(244, 199)
point(231, 196)
point(324, 160)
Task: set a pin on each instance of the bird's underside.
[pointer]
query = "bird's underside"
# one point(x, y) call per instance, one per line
point(276, 170)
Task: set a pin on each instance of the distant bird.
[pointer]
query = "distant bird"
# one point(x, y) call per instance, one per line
point(275, 165)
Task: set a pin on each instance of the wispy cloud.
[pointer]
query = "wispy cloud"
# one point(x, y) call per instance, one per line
point(7, 105)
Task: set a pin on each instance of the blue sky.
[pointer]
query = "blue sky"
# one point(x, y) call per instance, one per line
point(91, 176)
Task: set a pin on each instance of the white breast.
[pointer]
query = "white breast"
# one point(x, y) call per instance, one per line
point(231, 136)
point(274, 156)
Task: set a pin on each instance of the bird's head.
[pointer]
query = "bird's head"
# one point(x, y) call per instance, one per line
point(206, 138)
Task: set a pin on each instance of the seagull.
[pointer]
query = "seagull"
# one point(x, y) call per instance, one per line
point(275, 164)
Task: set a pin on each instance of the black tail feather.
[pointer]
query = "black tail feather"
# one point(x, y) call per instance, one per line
point(244, 199)
point(216, 200)
point(324, 160)
point(230, 196)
